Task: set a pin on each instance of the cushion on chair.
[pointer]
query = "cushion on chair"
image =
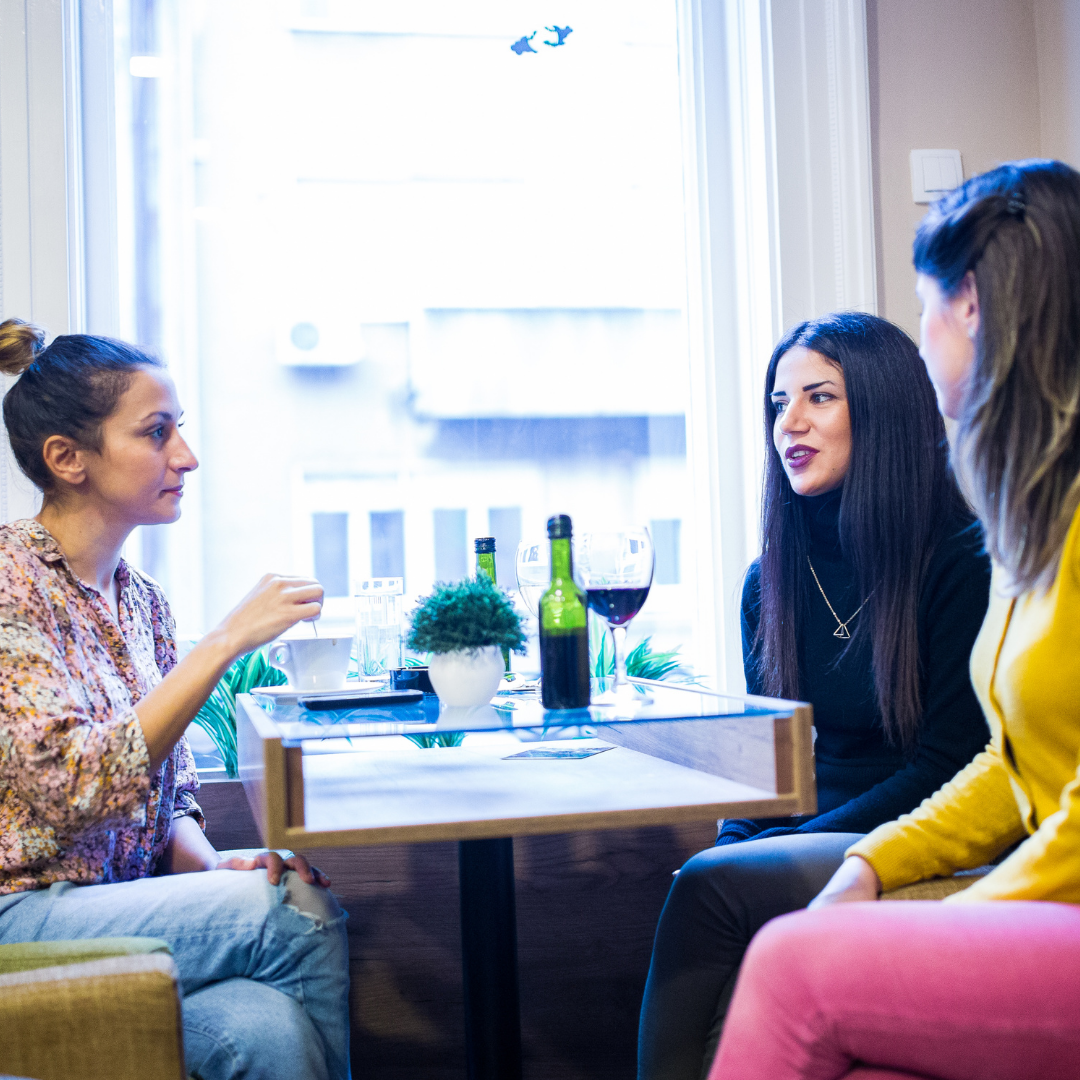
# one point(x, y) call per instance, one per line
point(26, 956)
point(937, 888)
point(113, 1019)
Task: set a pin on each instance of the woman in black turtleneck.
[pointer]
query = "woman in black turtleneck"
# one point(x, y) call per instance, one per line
point(866, 601)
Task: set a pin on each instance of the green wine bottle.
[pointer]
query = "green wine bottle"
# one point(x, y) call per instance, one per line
point(485, 564)
point(564, 628)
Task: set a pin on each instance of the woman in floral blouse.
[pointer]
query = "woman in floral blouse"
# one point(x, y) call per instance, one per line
point(100, 831)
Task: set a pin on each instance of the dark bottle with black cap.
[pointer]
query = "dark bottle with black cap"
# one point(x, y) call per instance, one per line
point(564, 628)
point(485, 564)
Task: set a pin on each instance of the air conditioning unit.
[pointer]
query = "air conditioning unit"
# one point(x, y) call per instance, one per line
point(317, 339)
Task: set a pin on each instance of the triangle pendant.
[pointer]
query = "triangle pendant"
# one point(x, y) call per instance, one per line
point(841, 631)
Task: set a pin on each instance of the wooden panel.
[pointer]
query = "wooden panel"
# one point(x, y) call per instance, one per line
point(258, 753)
point(739, 748)
point(540, 826)
point(294, 787)
point(587, 910)
point(793, 741)
point(475, 790)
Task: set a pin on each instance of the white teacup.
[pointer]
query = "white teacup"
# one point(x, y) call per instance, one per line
point(313, 663)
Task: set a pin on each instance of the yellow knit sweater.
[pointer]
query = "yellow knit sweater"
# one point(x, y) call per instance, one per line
point(1025, 668)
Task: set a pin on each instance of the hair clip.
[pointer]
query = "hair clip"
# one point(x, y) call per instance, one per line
point(1016, 204)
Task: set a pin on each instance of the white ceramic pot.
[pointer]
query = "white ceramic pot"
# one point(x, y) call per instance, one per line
point(467, 676)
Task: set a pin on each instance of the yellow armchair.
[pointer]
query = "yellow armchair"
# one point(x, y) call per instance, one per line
point(102, 1009)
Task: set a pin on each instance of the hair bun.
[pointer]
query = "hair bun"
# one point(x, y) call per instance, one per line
point(20, 342)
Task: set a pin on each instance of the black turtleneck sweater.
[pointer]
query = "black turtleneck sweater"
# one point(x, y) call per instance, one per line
point(863, 781)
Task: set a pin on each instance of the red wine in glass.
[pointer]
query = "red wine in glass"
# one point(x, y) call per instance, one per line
point(616, 568)
point(617, 605)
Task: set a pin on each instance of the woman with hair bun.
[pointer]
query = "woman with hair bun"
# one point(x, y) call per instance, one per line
point(865, 602)
point(100, 828)
point(986, 983)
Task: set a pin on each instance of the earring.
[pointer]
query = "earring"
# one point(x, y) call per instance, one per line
point(971, 333)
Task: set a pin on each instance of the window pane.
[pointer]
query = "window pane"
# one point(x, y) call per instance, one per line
point(331, 537)
point(388, 544)
point(451, 559)
point(409, 275)
point(504, 523)
point(666, 536)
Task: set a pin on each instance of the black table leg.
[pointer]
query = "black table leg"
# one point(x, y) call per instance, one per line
point(489, 959)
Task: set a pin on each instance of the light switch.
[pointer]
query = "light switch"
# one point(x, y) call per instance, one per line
point(933, 173)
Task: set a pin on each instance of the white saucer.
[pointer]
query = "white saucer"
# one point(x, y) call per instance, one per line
point(285, 693)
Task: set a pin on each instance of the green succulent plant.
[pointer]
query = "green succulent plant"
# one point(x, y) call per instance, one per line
point(470, 614)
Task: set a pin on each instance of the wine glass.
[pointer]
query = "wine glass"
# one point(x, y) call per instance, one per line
point(532, 567)
point(616, 570)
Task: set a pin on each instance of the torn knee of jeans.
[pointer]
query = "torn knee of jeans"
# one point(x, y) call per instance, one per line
point(312, 901)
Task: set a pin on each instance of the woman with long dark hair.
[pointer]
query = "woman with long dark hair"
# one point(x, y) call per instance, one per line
point(970, 987)
point(867, 597)
point(100, 827)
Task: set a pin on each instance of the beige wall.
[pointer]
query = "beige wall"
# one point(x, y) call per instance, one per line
point(1057, 28)
point(955, 74)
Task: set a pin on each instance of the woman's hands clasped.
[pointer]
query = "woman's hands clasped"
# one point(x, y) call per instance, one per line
point(855, 880)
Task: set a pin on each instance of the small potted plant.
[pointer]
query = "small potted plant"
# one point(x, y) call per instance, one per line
point(465, 626)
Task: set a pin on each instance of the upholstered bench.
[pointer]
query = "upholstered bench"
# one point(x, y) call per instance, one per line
point(937, 888)
point(100, 1009)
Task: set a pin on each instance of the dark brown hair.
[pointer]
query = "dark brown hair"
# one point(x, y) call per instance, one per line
point(1017, 447)
point(69, 388)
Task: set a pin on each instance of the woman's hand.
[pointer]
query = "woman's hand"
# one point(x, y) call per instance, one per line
point(276, 866)
point(855, 880)
point(275, 604)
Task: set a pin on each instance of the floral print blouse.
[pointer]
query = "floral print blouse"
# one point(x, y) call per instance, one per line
point(78, 802)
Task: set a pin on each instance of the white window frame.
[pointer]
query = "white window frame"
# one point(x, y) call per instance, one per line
point(40, 188)
point(779, 226)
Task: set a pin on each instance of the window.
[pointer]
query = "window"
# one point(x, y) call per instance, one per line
point(666, 536)
point(451, 556)
point(331, 532)
point(504, 523)
point(417, 281)
point(388, 544)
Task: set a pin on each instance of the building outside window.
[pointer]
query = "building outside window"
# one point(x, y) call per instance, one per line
point(419, 270)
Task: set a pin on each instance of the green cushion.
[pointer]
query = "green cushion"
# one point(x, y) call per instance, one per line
point(28, 955)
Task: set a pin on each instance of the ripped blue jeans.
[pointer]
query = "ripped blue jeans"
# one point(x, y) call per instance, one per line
point(263, 968)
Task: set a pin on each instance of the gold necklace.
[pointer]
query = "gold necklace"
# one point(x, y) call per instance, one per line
point(841, 630)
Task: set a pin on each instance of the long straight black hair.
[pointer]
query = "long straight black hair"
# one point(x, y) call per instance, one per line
point(897, 497)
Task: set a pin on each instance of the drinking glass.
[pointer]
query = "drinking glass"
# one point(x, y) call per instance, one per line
point(379, 624)
point(532, 567)
point(616, 570)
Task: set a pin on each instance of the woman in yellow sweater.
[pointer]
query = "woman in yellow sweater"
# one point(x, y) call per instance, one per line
point(966, 989)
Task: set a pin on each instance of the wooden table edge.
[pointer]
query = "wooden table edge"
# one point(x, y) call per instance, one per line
point(278, 807)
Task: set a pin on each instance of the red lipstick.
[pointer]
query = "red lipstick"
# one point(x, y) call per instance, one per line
point(800, 455)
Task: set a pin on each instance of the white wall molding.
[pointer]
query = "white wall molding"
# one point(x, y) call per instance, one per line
point(40, 164)
point(40, 187)
point(825, 191)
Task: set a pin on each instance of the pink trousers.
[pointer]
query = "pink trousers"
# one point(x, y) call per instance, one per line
point(909, 990)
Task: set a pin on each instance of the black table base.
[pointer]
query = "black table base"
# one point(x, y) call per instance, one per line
point(489, 959)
